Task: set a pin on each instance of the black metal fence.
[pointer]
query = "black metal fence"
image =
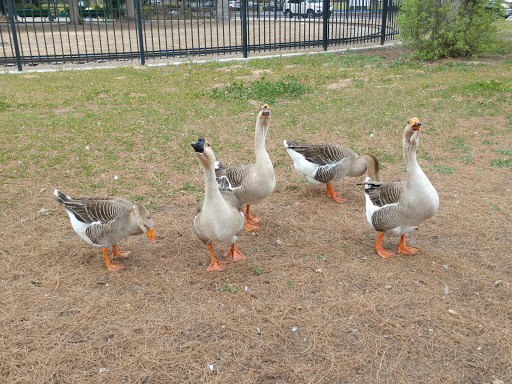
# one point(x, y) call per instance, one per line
point(81, 31)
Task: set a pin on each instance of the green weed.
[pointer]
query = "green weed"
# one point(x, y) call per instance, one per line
point(443, 169)
point(228, 287)
point(191, 187)
point(501, 163)
point(261, 89)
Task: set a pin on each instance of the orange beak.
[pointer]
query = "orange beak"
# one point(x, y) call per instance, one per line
point(151, 235)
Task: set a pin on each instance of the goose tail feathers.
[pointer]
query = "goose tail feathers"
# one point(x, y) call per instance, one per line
point(61, 197)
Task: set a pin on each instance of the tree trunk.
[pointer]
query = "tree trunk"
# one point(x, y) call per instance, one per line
point(130, 9)
point(223, 11)
point(74, 15)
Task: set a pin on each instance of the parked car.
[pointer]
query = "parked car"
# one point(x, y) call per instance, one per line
point(234, 4)
point(506, 8)
point(273, 6)
point(304, 8)
point(210, 4)
point(502, 8)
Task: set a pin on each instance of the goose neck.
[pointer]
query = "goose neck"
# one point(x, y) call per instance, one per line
point(210, 183)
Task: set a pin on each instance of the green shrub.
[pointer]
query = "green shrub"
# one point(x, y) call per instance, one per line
point(433, 29)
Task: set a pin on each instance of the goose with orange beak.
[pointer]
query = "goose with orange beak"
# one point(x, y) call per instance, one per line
point(398, 207)
point(104, 221)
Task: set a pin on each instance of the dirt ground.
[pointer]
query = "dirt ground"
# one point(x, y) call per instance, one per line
point(312, 303)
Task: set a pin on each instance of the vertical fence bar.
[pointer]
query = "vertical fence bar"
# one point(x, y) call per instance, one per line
point(384, 19)
point(11, 9)
point(326, 9)
point(139, 26)
point(243, 11)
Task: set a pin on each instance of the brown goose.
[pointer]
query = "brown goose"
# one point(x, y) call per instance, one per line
point(218, 217)
point(251, 183)
point(104, 221)
point(397, 207)
point(327, 163)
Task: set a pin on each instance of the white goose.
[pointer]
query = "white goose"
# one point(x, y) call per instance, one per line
point(327, 163)
point(251, 183)
point(398, 207)
point(218, 216)
point(104, 221)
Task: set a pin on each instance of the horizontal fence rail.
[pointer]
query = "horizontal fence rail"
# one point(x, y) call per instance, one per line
point(82, 31)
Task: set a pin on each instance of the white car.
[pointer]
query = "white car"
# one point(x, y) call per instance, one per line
point(234, 4)
point(304, 8)
point(506, 7)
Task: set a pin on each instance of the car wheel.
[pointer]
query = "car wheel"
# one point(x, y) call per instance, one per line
point(310, 14)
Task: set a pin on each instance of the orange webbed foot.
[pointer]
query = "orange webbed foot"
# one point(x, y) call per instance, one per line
point(114, 267)
point(336, 196)
point(404, 249)
point(407, 250)
point(253, 219)
point(234, 254)
point(117, 254)
point(110, 266)
point(217, 265)
point(251, 227)
point(250, 219)
point(384, 253)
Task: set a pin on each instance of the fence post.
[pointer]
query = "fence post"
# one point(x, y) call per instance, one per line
point(243, 11)
point(325, 16)
point(384, 20)
point(11, 9)
point(139, 26)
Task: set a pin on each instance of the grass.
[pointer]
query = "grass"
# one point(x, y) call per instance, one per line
point(123, 120)
point(271, 91)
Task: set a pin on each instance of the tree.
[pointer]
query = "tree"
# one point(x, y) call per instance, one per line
point(130, 9)
point(433, 29)
point(223, 12)
point(74, 15)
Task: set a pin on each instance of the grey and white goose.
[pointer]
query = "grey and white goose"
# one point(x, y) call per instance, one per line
point(251, 183)
point(328, 163)
point(218, 217)
point(398, 207)
point(104, 221)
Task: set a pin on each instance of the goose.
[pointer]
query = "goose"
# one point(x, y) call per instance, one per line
point(104, 221)
point(398, 207)
point(218, 216)
point(251, 183)
point(327, 163)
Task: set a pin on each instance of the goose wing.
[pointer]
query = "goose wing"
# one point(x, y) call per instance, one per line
point(321, 154)
point(382, 194)
point(382, 203)
point(323, 162)
point(94, 209)
point(231, 178)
